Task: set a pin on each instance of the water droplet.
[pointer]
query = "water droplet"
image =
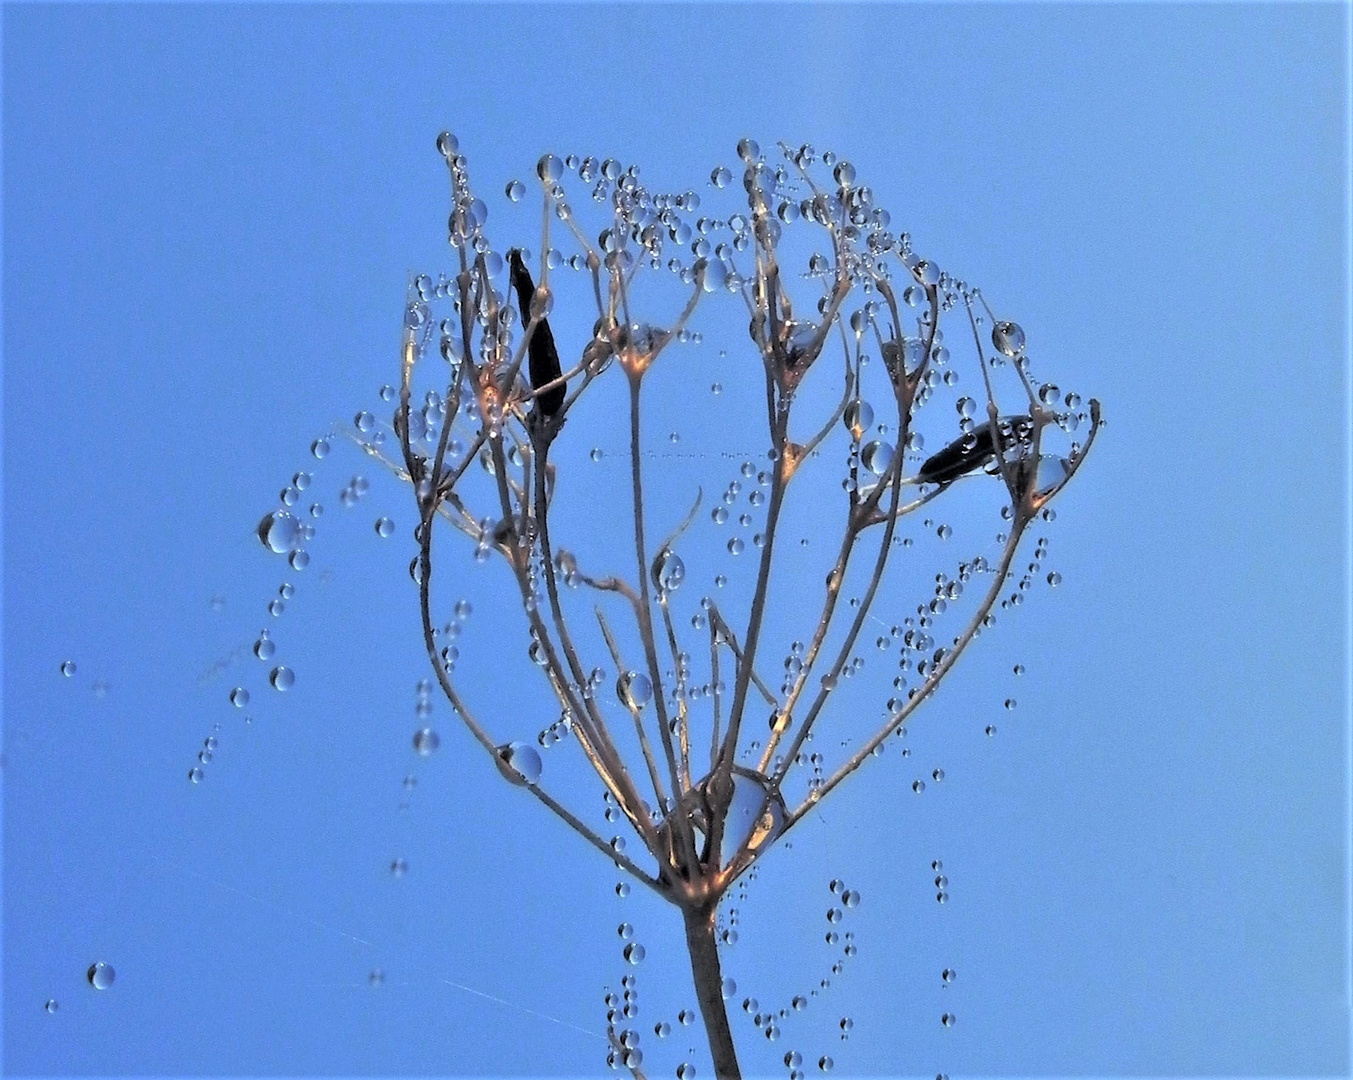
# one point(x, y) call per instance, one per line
point(282, 678)
point(1054, 578)
point(948, 975)
point(447, 144)
point(280, 532)
point(948, 1019)
point(685, 1071)
point(662, 1029)
point(264, 647)
point(736, 546)
point(515, 191)
point(634, 953)
point(670, 571)
point(748, 150)
point(622, 889)
point(51, 1005)
point(918, 786)
point(239, 697)
point(549, 168)
point(825, 1063)
point(851, 898)
point(521, 762)
point(320, 449)
point(398, 868)
point(384, 527)
point(686, 1017)
point(877, 456)
point(858, 418)
point(1008, 337)
point(68, 668)
point(728, 988)
point(426, 741)
point(625, 930)
point(100, 975)
point(938, 775)
point(634, 689)
point(196, 775)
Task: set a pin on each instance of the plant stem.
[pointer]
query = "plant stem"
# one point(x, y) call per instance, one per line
point(709, 988)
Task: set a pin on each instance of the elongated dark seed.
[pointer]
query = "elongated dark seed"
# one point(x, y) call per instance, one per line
point(971, 451)
point(544, 357)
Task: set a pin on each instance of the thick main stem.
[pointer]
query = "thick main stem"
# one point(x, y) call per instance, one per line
point(709, 989)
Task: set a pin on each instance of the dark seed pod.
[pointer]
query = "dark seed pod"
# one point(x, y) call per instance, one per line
point(544, 357)
point(972, 451)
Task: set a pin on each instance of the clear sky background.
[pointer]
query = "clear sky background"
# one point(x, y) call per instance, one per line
point(210, 217)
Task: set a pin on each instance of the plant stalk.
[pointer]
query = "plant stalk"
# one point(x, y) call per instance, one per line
point(709, 989)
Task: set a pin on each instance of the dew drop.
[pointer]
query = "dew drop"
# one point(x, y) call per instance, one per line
point(521, 762)
point(384, 527)
point(728, 988)
point(1008, 337)
point(239, 697)
point(100, 975)
point(196, 775)
point(426, 741)
point(280, 532)
point(319, 449)
point(68, 668)
point(51, 1005)
point(634, 953)
point(282, 678)
point(515, 191)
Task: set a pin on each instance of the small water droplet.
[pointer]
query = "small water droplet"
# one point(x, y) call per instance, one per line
point(239, 697)
point(282, 678)
point(51, 1005)
point(515, 190)
point(426, 741)
point(68, 668)
point(196, 776)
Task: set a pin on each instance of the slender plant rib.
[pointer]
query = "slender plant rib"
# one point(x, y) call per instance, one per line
point(660, 793)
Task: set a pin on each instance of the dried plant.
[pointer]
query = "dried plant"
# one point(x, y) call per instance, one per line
point(703, 795)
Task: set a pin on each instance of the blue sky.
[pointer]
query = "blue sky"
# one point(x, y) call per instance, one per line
point(210, 218)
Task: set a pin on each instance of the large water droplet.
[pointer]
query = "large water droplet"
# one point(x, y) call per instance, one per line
point(877, 456)
point(280, 532)
point(670, 571)
point(1008, 337)
point(100, 975)
point(282, 678)
point(634, 689)
point(521, 762)
point(858, 418)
